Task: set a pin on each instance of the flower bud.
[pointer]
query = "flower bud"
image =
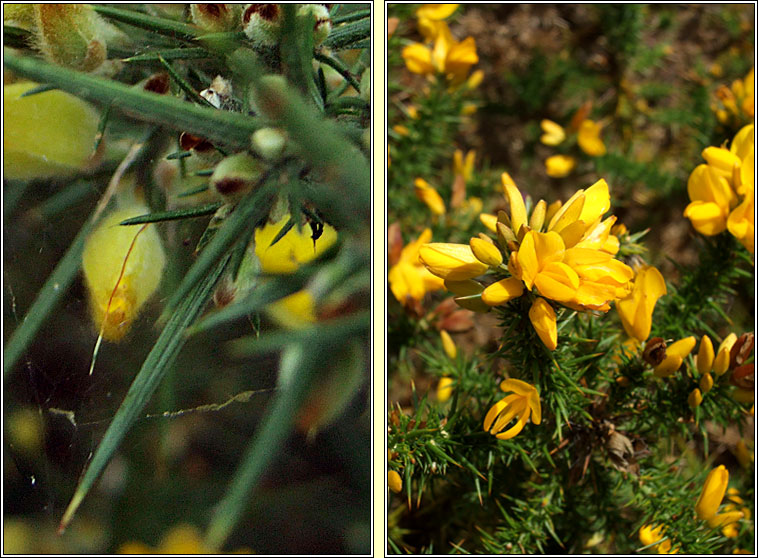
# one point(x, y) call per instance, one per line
point(706, 382)
point(46, 134)
point(70, 35)
point(705, 356)
point(394, 482)
point(448, 344)
point(486, 252)
point(323, 23)
point(489, 221)
point(537, 219)
point(713, 492)
point(695, 398)
point(269, 143)
point(19, 15)
point(215, 18)
point(444, 389)
point(262, 23)
point(235, 176)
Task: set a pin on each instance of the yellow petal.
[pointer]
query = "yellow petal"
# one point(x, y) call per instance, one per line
point(683, 347)
point(536, 251)
point(518, 427)
point(418, 59)
point(436, 11)
point(451, 261)
point(448, 344)
point(557, 281)
point(713, 492)
point(502, 291)
point(294, 249)
point(489, 221)
point(542, 316)
point(296, 311)
point(668, 366)
point(394, 481)
point(589, 138)
point(49, 134)
point(554, 133)
point(516, 201)
point(559, 166)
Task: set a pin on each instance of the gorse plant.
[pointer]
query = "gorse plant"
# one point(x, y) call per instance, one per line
point(257, 116)
point(558, 383)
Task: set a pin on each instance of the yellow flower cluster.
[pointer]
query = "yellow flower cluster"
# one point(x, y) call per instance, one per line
point(587, 136)
point(722, 191)
point(441, 53)
point(564, 253)
point(737, 101)
point(650, 534)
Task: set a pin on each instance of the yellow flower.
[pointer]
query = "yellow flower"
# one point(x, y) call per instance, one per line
point(409, 279)
point(451, 261)
point(123, 266)
point(739, 100)
point(48, 134)
point(558, 166)
point(464, 167)
point(542, 316)
point(554, 133)
point(713, 492)
point(444, 389)
point(650, 535)
point(296, 311)
point(448, 345)
point(741, 222)
point(394, 482)
point(427, 194)
point(436, 11)
point(294, 249)
point(180, 539)
point(714, 190)
point(522, 404)
point(448, 57)
point(636, 309)
point(589, 138)
point(675, 355)
point(711, 196)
